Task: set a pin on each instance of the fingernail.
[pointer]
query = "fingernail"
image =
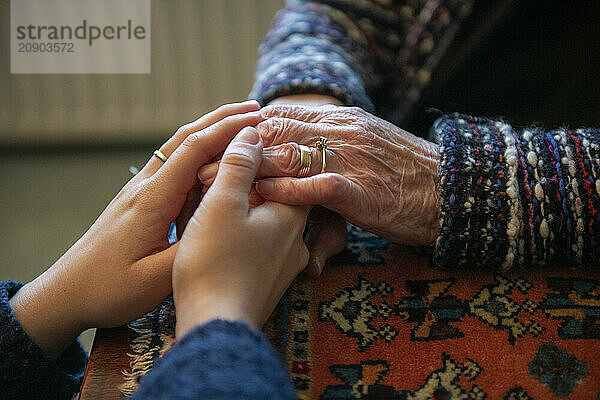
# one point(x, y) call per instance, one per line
point(265, 187)
point(203, 174)
point(248, 135)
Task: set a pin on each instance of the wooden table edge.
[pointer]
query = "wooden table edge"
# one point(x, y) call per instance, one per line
point(108, 359)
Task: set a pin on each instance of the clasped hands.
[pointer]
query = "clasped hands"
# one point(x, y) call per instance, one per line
point(237, 253)
point(378, 177)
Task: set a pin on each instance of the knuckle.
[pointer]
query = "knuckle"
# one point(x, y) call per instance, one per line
point(289, 159)
point(356, 129)
point(333, 188)
point(356, 111)
point(360, 132)
point(275, 124)
point(136, 197)
point(183, 129)
point(269, 110)
point(237, 158)
point(263, 128)
point(285, 110)
point(193, 139)
point(269, 129)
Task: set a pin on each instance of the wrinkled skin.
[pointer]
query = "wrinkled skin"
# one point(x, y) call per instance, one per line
point(326, 233)
point(378, 177)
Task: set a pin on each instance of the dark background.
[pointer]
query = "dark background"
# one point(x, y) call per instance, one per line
point(527, 61)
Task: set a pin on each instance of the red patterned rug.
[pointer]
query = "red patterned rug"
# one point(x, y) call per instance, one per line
point(380, 323)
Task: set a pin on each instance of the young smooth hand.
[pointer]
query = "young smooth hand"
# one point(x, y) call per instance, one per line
point(235, 262)
point(122, 266)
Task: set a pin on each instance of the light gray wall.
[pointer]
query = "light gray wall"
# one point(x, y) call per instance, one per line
point(203, 55)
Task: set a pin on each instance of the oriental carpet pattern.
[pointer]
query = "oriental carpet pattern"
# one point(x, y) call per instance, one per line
point(380, 323)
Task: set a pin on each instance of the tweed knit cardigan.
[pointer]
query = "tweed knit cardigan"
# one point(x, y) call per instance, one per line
point(508, 196)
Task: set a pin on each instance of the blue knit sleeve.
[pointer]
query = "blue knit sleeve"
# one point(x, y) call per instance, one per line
point(367, 53)
point(517, 197)
point(218, 360)
point(25, 371)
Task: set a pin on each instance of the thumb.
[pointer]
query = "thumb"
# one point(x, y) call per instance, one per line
point(326, 236)
point(328, 189)
point(237, 171)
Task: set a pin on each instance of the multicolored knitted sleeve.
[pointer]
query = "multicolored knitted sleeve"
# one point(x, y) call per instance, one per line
point(517, 197)
point(373, 54)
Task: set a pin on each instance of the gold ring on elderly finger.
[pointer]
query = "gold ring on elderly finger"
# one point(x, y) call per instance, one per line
point(305, 161)
point(159, 154)
point(322, 145)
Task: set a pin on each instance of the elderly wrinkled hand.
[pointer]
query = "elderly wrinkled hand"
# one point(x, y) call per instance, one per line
point(378, 176)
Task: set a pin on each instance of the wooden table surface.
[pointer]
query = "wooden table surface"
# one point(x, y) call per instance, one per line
point(108, 359)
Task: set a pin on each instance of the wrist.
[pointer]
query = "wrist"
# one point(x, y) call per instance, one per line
point(435, 204)
point(421, 193)
point(47, 315)
point(193, 309)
